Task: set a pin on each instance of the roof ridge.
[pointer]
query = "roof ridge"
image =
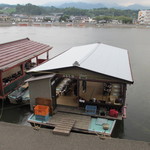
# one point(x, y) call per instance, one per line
point(3, 44)
point(89, 54)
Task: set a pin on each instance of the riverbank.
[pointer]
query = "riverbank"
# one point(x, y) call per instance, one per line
point(16, 137)
point(38, 24)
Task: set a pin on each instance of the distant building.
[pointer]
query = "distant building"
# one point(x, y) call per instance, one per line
point(4, 17)
point(144, 17)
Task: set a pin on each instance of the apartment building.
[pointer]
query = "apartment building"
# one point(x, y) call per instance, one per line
point(144, 17)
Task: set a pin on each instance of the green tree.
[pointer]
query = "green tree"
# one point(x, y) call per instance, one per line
point(64, 18)
point(28, 9)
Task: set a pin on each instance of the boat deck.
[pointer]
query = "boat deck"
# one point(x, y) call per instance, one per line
point(81, 122)
point(81, 111)
point(76, 122)
point(63, 126)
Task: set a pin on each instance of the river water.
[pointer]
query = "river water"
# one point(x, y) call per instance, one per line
point(136, 41)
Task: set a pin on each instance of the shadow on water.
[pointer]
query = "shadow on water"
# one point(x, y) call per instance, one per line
point(17, 114)
point(118, 131)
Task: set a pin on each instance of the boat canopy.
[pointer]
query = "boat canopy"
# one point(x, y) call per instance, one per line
point(19, 51)
point(97, 57)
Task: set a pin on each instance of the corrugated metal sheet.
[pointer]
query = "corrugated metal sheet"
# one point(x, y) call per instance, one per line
point(16, 52)
point(98, 57)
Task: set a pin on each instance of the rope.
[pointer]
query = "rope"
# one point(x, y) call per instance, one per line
point(36, 127)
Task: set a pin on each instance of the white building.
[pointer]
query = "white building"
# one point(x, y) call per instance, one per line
point(144, 17)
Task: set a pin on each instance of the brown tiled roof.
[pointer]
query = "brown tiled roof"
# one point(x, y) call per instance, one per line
point(16, 52)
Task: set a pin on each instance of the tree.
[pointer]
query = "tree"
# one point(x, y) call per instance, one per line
point(64, 18)
point(28, 9)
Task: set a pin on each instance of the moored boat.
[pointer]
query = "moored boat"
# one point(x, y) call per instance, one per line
point(20, 95)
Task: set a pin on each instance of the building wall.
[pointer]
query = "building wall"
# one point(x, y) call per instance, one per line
point(85, 74)
point(144, 17)
point(39, 88)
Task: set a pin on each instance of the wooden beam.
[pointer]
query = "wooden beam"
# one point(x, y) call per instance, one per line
point(1, 85)
point(47, 55)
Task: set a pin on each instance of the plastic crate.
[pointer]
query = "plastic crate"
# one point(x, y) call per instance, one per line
point(113, 113)
point(41, 118)
point(41, 110)
point(91, 110)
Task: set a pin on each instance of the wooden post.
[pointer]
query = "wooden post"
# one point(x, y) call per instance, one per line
point(1, 85)
point(124, 91)
point(37, 62)
point(78, 87)
point(22, 69)
point(47, 55)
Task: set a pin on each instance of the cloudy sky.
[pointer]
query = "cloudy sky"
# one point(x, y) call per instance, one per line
point(41, 2)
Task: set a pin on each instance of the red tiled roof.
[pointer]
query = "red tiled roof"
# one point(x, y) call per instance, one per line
point(16, 52)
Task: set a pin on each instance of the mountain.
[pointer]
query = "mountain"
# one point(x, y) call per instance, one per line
point(137, 6)
point(83, 5)
point(7, 5)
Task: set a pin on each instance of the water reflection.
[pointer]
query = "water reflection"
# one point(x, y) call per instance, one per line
point(118, 131)
point(17, 114)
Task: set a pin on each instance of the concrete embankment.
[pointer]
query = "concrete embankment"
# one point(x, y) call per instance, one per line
point(16, 137)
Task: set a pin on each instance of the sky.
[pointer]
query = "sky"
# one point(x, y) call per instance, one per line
point(42, 2)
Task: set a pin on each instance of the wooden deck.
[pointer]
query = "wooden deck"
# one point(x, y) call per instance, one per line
point(81, 122)
point(63, 123)
point(64, 126)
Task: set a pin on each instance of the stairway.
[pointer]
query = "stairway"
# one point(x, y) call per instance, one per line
point(64, 126)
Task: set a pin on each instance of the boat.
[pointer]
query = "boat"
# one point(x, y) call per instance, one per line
point(62, 123)
point(88, 86)
point(20, 95)
point(20, 59)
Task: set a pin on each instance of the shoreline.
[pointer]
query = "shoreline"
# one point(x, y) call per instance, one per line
point(56, 24)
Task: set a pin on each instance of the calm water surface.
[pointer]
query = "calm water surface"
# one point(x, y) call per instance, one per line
point(137, 41)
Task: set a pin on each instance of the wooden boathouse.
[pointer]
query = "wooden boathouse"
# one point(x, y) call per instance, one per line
point(90, 79)
point(15, 59)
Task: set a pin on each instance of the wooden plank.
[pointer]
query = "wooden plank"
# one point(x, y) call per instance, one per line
point(64, 126)
point(61, 132)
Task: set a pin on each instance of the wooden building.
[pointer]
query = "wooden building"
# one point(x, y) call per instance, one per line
point(90, 75)
point(15, 59)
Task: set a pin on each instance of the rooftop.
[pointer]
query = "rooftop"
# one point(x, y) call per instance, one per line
point(16, 52)
point(97, 57)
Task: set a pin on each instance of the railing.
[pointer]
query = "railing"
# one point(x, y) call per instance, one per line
point(15, 84)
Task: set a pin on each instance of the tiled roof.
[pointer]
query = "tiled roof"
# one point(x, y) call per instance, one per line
point(16, 52)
